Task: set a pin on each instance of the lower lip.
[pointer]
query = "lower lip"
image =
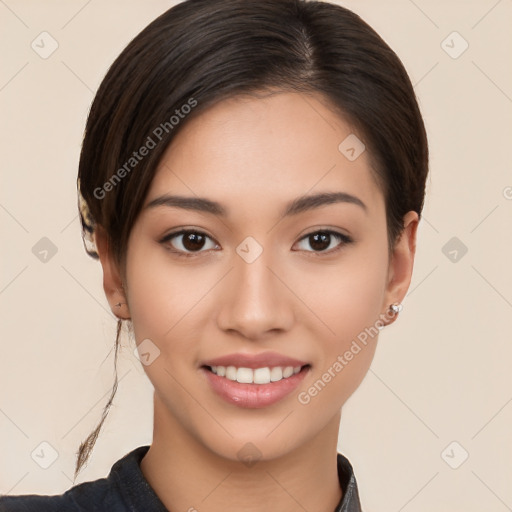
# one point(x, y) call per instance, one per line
point(254, 396)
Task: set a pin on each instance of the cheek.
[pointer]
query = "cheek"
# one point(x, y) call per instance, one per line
point(346, 349)
point(165, 300)
point(348, 304)
point(342, 299)
point(150, 292)
point(359, 300)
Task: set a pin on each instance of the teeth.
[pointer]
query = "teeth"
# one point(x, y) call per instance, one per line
point(256, 376)
point(244, 375)
point(261, 376)
point(231, 373)
point(276, 374)
point(288, 372)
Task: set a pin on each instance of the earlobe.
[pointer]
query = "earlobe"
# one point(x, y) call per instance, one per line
point(112, 281)
point(401, 266)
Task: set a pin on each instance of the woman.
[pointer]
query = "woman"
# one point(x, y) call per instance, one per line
point(251, 179)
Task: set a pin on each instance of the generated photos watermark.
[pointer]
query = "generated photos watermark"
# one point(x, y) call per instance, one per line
point(151, 142)
point(357, 345)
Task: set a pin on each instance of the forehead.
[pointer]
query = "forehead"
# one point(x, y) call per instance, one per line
point(255, 151)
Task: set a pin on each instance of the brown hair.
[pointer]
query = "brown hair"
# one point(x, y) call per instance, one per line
point(202, 51)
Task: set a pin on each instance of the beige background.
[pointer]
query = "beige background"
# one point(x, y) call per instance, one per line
point(441, 373)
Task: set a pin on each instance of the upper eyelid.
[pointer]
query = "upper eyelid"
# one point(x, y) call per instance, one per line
point(180, 232)
point(192, 230)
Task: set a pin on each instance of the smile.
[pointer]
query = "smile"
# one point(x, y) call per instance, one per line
point(263, 375)
point(254, 388)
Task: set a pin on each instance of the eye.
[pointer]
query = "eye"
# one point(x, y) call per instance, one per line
point(186, 242)
point(322, 241)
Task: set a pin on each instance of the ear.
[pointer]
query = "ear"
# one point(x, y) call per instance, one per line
point(400, 266)
point(112, 281)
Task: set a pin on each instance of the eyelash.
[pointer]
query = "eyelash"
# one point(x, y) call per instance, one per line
point(344, 239)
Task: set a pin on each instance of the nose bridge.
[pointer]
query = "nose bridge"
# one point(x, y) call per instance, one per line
point(255, 300)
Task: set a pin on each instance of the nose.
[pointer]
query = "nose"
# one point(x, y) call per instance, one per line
point(255, 302)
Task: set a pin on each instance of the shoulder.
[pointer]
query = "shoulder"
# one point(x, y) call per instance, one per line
point(105, 494)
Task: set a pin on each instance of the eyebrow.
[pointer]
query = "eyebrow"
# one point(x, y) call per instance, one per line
point(298, 205)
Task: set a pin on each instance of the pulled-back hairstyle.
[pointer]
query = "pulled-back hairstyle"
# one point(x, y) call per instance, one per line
point(200, 52)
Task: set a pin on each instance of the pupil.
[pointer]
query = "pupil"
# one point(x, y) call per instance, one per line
point(320, 241)
point(193, 241)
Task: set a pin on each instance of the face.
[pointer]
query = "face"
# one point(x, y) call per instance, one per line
point(260, 281)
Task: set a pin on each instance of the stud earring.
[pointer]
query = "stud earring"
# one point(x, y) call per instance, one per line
point(396, 307)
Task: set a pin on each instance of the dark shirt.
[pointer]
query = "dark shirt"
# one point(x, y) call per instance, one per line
point(127, 490)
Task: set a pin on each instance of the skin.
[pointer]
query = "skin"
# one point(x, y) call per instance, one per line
point(254, 155)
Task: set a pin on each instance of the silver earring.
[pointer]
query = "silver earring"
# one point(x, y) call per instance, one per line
point(119, 304)
point(396, 307)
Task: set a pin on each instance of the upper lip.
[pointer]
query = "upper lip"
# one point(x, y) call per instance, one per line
point(253, 361)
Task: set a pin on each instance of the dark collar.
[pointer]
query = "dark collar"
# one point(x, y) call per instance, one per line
point(350, 499)
point(136, 491)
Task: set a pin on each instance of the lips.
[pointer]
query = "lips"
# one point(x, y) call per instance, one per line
point(265, 359)
point(254, 381)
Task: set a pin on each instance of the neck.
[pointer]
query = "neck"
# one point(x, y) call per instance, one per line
point(186, 475)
